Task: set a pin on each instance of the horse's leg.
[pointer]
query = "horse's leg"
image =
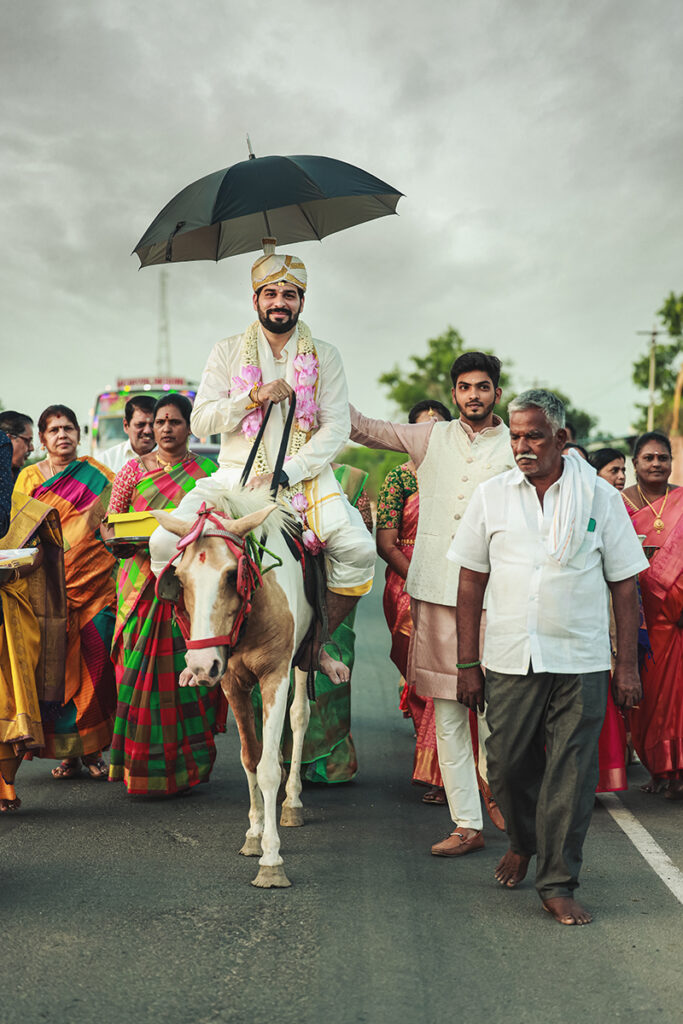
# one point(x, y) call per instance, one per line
point(299, 715)
point(274, 690)
point(239, 700)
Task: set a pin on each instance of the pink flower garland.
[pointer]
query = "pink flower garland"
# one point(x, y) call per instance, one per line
point(310, 540)
point(252, 421)
point(306, 368)
point(306, 377)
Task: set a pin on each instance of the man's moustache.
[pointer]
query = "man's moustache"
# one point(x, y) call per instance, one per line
point(525, 456)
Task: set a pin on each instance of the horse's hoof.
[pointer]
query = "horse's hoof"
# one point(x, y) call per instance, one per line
point(252, 847)
point(292, 816)
point(271, 878)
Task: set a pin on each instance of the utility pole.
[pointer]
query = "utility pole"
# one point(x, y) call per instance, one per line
point(651, 380)
point(163, 344)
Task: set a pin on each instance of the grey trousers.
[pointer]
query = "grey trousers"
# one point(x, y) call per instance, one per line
point(543, 766)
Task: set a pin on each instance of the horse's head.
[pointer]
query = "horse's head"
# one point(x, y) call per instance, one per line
point(208, 571)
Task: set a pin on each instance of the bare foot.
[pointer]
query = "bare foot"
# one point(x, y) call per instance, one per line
point(566, 910)
point(187, 678)
point(10, 805)
point(654, 785)
point(675, 790)
point(336, 671)
point(512, 869)
point(434, 795)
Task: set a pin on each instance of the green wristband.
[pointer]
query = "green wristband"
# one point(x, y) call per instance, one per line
point(467, 664)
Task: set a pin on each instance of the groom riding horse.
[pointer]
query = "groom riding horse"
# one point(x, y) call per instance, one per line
point(274, 359)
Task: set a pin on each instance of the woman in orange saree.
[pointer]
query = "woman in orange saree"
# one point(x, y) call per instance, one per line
point(656, 510)
point(397, 515)
point(80, 725)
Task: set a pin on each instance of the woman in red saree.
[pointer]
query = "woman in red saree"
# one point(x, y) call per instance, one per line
point(397, 515)
point(656, 510)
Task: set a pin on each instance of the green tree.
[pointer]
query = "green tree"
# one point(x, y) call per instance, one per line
point(667, 364)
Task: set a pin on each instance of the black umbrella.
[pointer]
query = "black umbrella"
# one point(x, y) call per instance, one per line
point(290, 198)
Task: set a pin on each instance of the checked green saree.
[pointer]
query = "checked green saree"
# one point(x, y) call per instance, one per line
point(163, 734)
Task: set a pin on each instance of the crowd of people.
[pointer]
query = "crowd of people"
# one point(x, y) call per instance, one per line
point(535, 604)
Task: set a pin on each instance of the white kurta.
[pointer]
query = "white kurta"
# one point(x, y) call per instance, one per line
point(220, 407)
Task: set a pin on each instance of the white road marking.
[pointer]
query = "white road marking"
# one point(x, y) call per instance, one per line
point(646, 846)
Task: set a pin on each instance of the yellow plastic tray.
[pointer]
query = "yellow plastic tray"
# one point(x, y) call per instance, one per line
point(133, 524)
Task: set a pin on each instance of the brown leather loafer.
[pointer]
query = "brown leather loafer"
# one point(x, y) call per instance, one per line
point(494, 811)
point(457, 845)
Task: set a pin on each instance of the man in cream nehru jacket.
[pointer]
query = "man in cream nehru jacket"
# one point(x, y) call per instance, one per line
point(273, 359)
point(451, 459)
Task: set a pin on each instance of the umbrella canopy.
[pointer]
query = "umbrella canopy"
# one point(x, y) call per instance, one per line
point(290, 198)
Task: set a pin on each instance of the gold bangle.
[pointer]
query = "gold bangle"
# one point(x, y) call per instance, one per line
point(253, 397)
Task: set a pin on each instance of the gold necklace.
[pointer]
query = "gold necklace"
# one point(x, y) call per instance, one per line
point(659, 522)
point(168, 466)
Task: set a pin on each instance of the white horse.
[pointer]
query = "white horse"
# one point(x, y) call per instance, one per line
point(244, 632)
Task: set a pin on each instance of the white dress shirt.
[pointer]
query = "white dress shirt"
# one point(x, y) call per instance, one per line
point(539, 613)
point(216, 410)
point(115, 458)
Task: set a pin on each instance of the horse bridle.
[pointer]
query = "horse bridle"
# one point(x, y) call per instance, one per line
point(249, 575)
point(243, 549)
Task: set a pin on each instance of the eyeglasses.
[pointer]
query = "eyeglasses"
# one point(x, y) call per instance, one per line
point(28, 441)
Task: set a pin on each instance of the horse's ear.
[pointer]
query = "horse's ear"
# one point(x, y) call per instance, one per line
point(180, 527)
point(251, 522)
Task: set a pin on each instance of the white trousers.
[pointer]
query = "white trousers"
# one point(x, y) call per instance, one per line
point(349, 554)
point(456, 761)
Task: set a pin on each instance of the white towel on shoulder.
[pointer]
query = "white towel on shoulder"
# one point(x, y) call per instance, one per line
point(573, 508)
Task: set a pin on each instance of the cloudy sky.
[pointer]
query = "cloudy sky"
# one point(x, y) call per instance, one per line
point(539, 146)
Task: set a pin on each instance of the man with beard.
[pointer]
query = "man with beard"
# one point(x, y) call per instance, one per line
point(451, 460)
point(275, 358)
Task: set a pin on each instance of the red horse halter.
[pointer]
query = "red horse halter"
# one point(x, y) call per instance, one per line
point(249, 575)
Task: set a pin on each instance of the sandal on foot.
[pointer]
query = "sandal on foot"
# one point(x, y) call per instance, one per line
point(67, 769)
point(10, 805)
point(95, 766)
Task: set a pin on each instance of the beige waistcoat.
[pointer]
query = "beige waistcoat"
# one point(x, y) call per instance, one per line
point(447, 476)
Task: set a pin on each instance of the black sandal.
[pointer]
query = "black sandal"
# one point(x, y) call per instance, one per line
point(95, 766)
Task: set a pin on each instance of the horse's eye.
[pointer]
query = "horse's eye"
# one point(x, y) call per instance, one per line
point(231, 578)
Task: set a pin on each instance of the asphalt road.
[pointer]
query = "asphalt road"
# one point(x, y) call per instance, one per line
point(119, 909)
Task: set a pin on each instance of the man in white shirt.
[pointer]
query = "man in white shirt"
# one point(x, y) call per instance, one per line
point(273, 359)
point(548, 538)
point(451, 459)
point(138, 424)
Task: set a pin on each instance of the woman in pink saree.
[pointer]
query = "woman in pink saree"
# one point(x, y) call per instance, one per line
point(656, 510)
point(397, 514)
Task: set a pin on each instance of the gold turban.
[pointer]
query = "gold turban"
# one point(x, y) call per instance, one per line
point(274, 268)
